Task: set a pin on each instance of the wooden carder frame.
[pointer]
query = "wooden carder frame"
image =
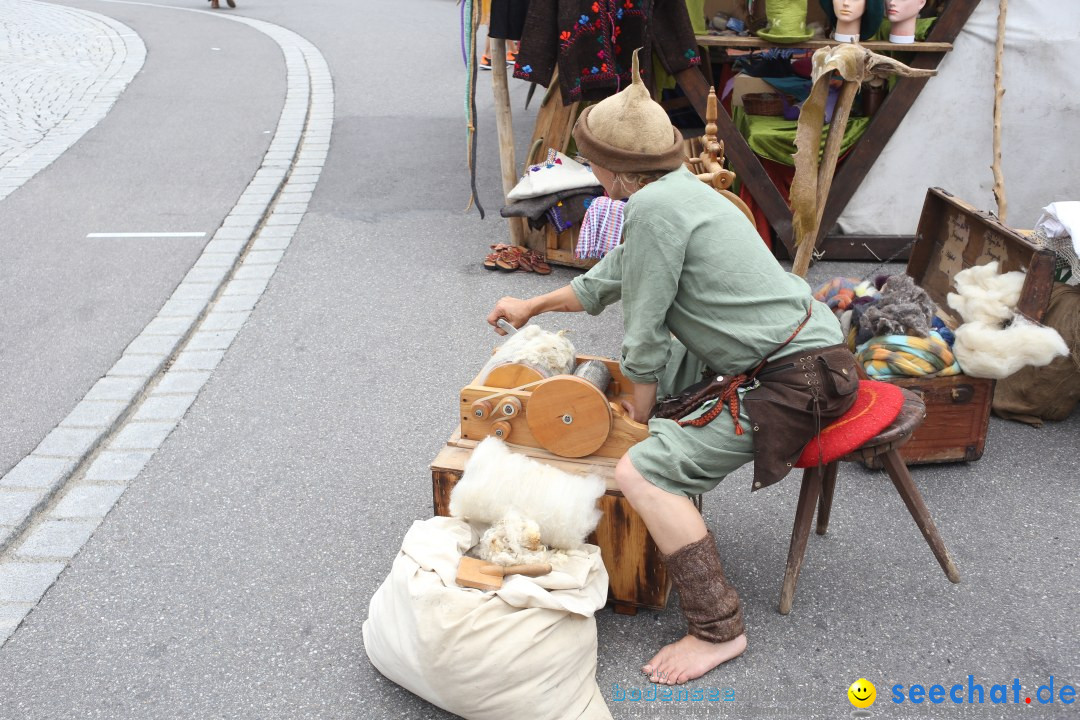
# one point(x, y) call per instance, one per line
point(564, 414)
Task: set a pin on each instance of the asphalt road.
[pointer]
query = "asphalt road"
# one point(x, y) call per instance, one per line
point(231, 579)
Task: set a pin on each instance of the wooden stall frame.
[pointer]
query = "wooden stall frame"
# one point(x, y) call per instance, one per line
point(863, 155)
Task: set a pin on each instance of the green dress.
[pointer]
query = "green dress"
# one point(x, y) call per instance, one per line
point(698, 288)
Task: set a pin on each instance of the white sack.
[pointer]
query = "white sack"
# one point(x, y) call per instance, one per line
point(497, 480)
point(527, 650)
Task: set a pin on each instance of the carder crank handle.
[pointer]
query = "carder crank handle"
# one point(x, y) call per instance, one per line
point(505, 326)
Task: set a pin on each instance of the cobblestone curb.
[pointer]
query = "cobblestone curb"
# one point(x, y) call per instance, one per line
point(54, 499)
point(49, 106)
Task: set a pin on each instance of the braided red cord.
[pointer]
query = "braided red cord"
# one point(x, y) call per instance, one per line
point(728, 399)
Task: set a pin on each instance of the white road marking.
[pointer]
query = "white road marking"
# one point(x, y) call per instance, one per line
point(147, 235)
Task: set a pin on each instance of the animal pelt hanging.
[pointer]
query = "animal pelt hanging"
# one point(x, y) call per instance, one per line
point(496, 481)
point(550, 352)
point(995, 341)
point(904, 309)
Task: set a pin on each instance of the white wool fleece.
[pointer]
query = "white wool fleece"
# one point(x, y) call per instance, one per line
point(497, 480)
point(984, 346)
point(988, 351)
point(984, 296)
point(532, 345)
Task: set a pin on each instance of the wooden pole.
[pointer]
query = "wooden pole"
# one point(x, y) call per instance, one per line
point(827, 169)
point(999, 93)
point(505, 124)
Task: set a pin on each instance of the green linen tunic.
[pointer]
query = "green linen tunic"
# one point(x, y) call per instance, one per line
point(691, 266)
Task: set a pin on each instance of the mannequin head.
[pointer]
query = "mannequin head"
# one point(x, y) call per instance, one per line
point(902, 15)
point(858, 18)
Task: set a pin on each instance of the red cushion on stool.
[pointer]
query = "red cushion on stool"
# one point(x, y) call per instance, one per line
point(876, 406)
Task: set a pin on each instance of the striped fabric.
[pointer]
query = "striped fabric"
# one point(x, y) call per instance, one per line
point(895, 356)
point(601, 229)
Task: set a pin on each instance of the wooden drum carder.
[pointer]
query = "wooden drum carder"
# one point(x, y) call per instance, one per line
point(568, 415)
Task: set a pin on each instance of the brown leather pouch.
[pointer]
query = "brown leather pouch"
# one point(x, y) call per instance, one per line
point(840, 375)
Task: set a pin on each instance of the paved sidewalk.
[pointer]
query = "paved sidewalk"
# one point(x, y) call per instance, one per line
point(54, 499)
point(62, 71)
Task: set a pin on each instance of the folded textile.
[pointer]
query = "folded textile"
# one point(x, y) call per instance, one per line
point(601, 228)
point(557, 172)
point(895, 356)
point(1058, 229)
point(534, 208)
point(565, 213)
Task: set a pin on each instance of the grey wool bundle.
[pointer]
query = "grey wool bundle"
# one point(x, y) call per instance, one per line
point(904, 309)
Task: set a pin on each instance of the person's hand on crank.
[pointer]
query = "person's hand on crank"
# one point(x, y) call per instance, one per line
point(518, 312)
point(640, 408)
point(514, 310)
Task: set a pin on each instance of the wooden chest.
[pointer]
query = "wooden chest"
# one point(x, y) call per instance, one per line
point(953, 235)
point(637, 577)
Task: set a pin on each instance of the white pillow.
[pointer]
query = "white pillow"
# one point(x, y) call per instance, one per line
point(557, 173)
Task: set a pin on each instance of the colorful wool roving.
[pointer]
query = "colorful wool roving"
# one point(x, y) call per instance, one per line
point(895, 356)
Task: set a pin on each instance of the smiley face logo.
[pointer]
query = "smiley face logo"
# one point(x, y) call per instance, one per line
point(862, 693)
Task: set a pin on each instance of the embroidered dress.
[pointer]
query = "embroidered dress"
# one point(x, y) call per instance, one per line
point(592, 43)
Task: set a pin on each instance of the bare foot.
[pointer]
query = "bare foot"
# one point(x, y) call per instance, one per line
point(690, 658)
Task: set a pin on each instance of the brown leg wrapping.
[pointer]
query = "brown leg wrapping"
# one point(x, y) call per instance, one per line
point(710, 605)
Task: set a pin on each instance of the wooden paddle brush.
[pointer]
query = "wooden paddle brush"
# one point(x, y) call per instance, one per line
point(482, 575)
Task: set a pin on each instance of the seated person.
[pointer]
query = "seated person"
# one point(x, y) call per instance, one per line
point(699, 290)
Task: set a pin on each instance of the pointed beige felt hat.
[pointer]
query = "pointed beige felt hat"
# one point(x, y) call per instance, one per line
point(629, 132)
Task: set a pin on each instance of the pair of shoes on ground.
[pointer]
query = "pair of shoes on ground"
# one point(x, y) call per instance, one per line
point(485, 61)
point(215, 6)
point(510, 258)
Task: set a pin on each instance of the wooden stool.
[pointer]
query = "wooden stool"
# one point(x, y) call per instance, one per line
point(819, 483)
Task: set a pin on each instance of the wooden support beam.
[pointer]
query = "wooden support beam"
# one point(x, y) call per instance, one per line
point(505, 125)
point(754, 43)
point(871, 248)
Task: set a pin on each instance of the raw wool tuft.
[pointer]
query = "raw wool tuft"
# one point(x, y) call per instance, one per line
point(984, 296)
point(497, 480)
point(513, 540)
point(989, 351)
point(904, 309)
point(550, 352)
point(994, 341)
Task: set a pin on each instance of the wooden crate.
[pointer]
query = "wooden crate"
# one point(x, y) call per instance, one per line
point(637, 578)
point(953, 235)
point(554, 124)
